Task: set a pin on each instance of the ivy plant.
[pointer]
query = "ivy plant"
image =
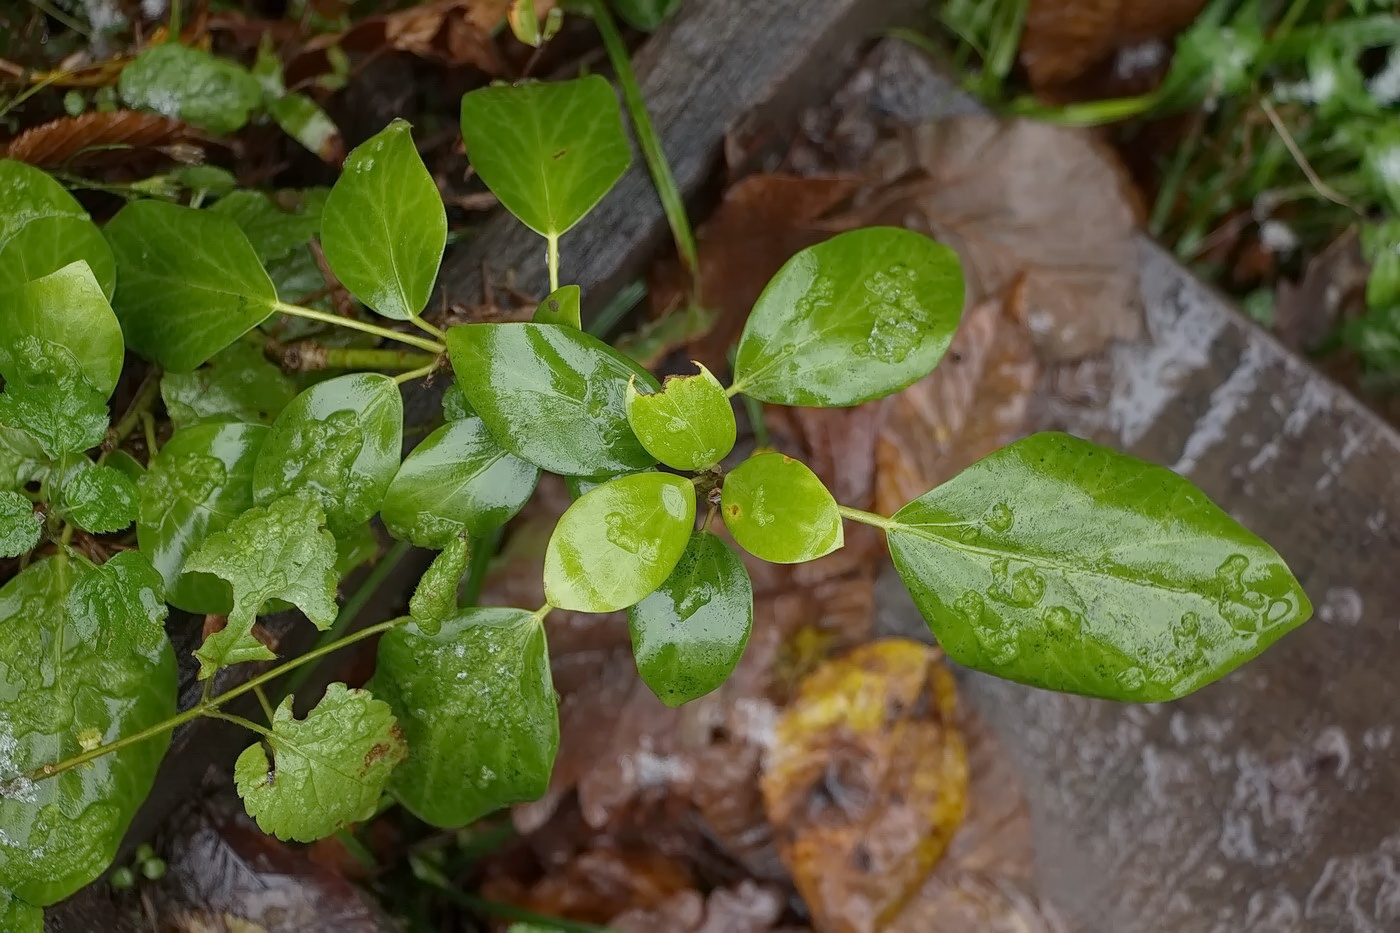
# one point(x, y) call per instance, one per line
point(1054, 562)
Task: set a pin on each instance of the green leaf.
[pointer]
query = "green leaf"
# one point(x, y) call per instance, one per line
point(477, 706)
point(551, 395)
point(59, 834)
point(22, 459)
point(187, 84)
point(688, 636)
point(97, 498)
point(435, 597)
point(273, 232)
point(646, 15)
point(47, 396)
point(1381, 244)
point(856, 318)
point(455, 406)
point(688, 425)
point(619, 542)
point(327, 770)
point(19, 917)
point(778, 510)
point(278, 551)
point(458, 481)
point(548, 151)
point(339, 442)
point(302, 118)
point(121, 605)
point(19, 525)
point(201, 480)
point(43, 228)
point(239, 384)
point(562, 306)
point(69, 309)
point(355, 546)
point(1062, 564)
point(190, 282)
point(384, 227)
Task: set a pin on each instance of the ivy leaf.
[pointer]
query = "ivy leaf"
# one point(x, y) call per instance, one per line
point(278, 551)
point(477, 705)
point(43, 228)
point(191, 85)
point(47, 396)
point(1065, 565)
point(548, 151)
point(338, 442)
point(856, 318)
point(646, 15)
point(97, 498)
point(435, 597)
point(562, 306)
point(327, 770)
point(19, 525)
point(458, 481)
point(551, 395)
point(688, 425)
point(274, 233)
point(239, 384)
point(68, 309)
point(619, 542)
point(688, 636)
point(191, 282)
point(778, 510)
point(121, 605)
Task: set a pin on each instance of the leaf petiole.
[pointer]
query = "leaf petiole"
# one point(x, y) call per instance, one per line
point(311, 314)
point(552, 240)
point(418, 373)
point(867, 518)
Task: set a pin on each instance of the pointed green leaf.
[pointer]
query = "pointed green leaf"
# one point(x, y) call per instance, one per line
point(59, 834)
point(278, 551)
point(67, 308)
point(19, 525)
point(548, 151)
point(688, 636)
point(191, 283)
point(339, 442)
point(562, 306)
point(201, 480)
point(646, 14)
point(384, 227)
point(619, 542)
point(121, 605)
point(43, 228)
point(551, 395)
point(188, 84)
point(458, 481)
point(1062, 564)
point(778, 510)
point(476, 703)
point(688, 425)
point(858, 317)
point(97, 498)
point(238, 384)
point(48, 397)
point(435, 597)
point(327, 770)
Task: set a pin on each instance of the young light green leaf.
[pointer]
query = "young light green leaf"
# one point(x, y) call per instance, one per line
point(1062, 564)
point(278, 551)
point(19, 917)
point(59, 834)
point(188, 84)
point(337, 442)
point(551, 395)
point(435, 597)
point(858, 317)
point(778, 510)
point(548, 151)
point(384, 227)
point(619, 542)
point(69, 309)
point(48, 397)
point(97, 498)
point(646, 15)
point(121, 605)
point(688, 425)
point(238, 384)
point(562, 306)
point(327, 770)
point(43, 228)
point(302, 118)
point(201, 480)
point(191, 283)
point(476, 703)
point(458, 481)
point(19, 525)
point(688, 636)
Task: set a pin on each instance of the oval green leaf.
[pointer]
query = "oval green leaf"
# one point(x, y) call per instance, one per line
point(688, 425)
point(778, 510)
point(188, 84)
point(458, 481)
point(1065, 565)
point(551, 395)
point(477, 706)
point(562, 306)
point(67, 308)
point(619, 542)
point(97, 498)
point(853, 319)
point(688, 636)
point(384, 228)
point(43, 228)
point(238, 384)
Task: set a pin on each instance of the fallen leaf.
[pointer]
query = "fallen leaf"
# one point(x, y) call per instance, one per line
point(604, 882)
point(1064, 38)
point(744, 908)
point(97, 138)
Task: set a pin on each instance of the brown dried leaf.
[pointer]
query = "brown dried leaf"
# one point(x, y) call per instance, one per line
point(96, 138)
point(745, 908)
point(1064, 38)
point(603, 882)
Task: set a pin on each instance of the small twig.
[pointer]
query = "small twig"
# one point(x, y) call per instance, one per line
point(1318, 184)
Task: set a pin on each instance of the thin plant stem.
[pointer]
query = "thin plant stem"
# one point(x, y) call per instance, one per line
point(148, 427)
point(49, 9)
point(483, 550)
point(552, 241)
point(311, 314)
point(1322, 187)
point(145, 397)
point(418, 373)
point(612, 314)
point(175, 22)
point(263, 702)
point(240, 721)
point(866, 518)
point(427, 327)
point(543, 611)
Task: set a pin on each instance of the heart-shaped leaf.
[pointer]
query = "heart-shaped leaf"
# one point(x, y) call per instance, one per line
point(777, 509)
point(188, 84)
point(43, 228)
point(67, 308)
point(688, 425)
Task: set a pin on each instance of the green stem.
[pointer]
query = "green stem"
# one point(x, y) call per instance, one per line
point(311, 314)
point(543, 611)
point(427, 327)
point(552, 239)
point(418, 373)
point(263, 702)
point(145, 397)
point(375, 358)
point(867, 518)
point(175, 23)
point(483, 550)
point(240, 721)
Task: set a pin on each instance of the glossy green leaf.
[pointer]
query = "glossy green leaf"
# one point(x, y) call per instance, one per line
point(476, 703)
point(273, 232)
point(1062, 564)
point(688, 425)
point(19, 525)
point(435, 597)
point(327, 770)
point(22, 458)
point(48, 397)
point(562, 306)
point(339, 442)
point(191, 283)
point(43, 228)
point(59, 834)
point(120, 605)
point(201, 480)
point(238, 384)
point(188, 84)
point(856, 318)
point(458, 481)
point(646, 14)
point(19, 917)
point(619, 542)
point(67, 308)
point(688, 636)
point(551, 395)
point(127, 465)
point(97, 498)
point(777, 509)
point(548, 151)
point(278, 551)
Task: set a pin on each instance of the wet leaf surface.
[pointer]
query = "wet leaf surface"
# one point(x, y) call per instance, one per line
point(237, 385)
point(435, 597)
point(43, 228)
point(688, 425)
point(66, 308)
point(778, 510)
point(19, 524)
point(97, 498)
point(191, 85)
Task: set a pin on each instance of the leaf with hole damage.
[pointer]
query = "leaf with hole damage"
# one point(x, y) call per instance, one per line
point(43, 228)
point(777, 509)
point(688, 425)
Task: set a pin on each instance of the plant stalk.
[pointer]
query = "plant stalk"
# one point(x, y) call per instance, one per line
point(553, 258)
point(413, 340)
point(867, 518)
